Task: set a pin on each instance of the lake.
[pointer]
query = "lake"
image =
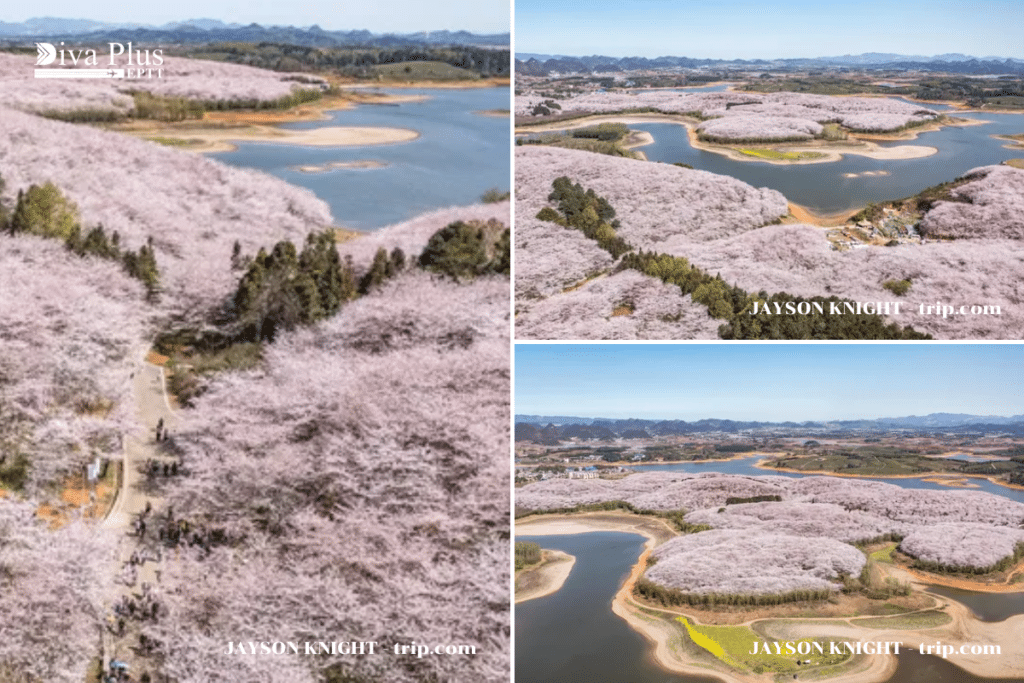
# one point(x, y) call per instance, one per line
point(823, 187)
point(575, 626)
point(459, 155)
point(572, 635)
point(986, 606)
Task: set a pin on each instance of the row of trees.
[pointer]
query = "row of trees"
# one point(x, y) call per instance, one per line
point(286, 288)
point(526, 553)
point(673, 597)
point(44, 211)
point(595, 217)
point(1000, 566)
point(175, 108)
point(587, 212)
point(354, 61)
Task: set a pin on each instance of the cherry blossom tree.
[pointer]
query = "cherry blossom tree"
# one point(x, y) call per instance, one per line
point(551, 257)
point(721, 226)
point(193, 208)
point(969, 529)
point(760, 116)
point(51, 595)
point(73, 329)
point(194, 79)
point(990, 206)
point(412, 236)
point(626, 305)
point(962, 545)
point(737, 562)
point(359, 485)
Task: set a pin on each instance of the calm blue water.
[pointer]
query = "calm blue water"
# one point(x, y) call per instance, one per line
point(572, 635)
point(986, 606)
point(459, 155)
point(822, 187)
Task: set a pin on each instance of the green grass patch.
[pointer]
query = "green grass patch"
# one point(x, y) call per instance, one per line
point(608, 132)
point(586, 143)
point(189, 366)
point(527, 554)
point(1006, 101)
point(1016, 163)
point(494, 195)
point(897, 287)
point(14, 471)
point(833, 132)
point(733, 645)
point(175, 142)
point(929, 619)
point(885, 554)
point(422, 71)
point(777, 155)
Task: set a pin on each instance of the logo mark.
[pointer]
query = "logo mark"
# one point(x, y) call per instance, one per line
point(47, 54)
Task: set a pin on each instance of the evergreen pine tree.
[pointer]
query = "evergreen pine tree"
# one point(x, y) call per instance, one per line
point(378, 272)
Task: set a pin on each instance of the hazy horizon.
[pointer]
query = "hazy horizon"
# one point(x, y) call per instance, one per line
point(403, 16)
point(768, 382)
point(519, 55)
point(744, 29)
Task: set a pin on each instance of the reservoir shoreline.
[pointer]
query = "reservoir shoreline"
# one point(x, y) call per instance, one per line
point(963, 628)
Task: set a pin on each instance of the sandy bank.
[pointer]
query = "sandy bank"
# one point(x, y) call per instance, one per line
point(205, 139)
point(802, 214)
point(959, 482)
point(1015, 143)
point(964, 584)
point(830, 152)
point(332, 165)
point(963, 629)
point(655, 530)
point(444, 85)
point(545, 579)
point(824, 473)
point(638, 138)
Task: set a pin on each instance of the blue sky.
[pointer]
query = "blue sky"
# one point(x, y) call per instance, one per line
point(727, 29)
point(398, 16)
point(771, 382)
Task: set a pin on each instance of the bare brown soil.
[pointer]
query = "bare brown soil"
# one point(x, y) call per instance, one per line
point(1003, 582)
point(75, 502)
point(156, 358)
point(801, 214)
point(545, 577)
point(344, 235)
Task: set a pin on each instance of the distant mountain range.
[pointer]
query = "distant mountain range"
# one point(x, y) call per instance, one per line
point(542, 64)
point(214, 31)
point(544, 428)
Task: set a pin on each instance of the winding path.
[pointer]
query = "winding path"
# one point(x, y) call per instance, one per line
point(149, 395)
